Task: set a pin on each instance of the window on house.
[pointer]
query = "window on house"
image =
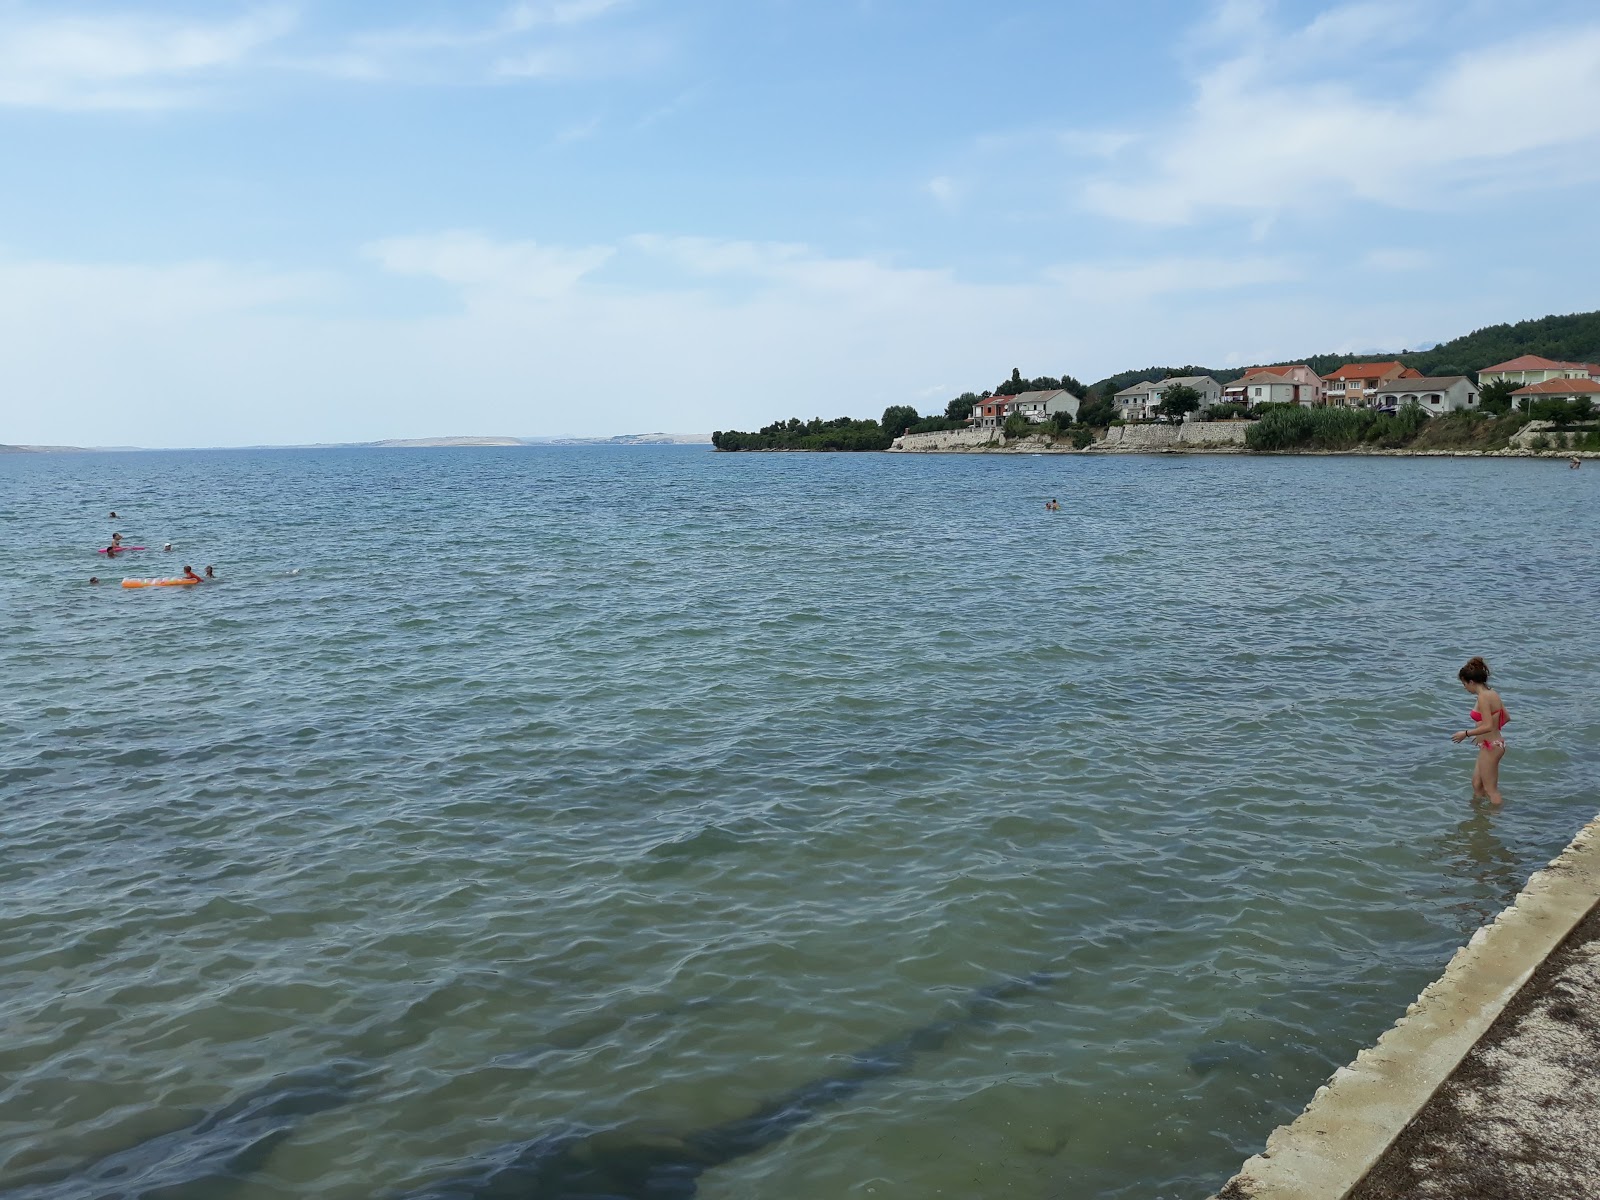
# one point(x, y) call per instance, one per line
point(1258, 391)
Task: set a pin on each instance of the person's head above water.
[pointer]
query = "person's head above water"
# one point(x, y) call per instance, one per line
point(113, 516)
point(188, 572)
point(168, 546)
point(94, 579)
point(1474, 675)
point(116, 537)
point(211, 572)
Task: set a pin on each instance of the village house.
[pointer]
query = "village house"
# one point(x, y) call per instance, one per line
point(1355, 385)
point(1558, 389)
point(1138, 402)
point(1296, 384)
point(1436, 394)
point(1039, 407)
point(1530, 368)
point(990, 412)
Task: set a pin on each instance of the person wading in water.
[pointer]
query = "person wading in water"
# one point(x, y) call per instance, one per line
point(1490, 718)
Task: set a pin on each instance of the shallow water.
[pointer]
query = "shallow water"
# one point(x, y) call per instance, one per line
point(577, 789)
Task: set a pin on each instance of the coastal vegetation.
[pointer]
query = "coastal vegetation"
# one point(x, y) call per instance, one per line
point(841, 433)
point(1294, 428)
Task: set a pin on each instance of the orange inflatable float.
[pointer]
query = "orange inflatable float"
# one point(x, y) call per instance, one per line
point(178, 581)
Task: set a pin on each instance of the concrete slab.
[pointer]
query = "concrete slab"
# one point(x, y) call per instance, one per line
point(1362, 1109)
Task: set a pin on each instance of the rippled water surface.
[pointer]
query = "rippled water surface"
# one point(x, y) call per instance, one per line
point(572, 806)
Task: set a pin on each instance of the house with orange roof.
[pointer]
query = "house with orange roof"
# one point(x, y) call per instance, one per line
point(1295, 384)
point(1531, 368)
point(1355, 385)
point(1557, 389)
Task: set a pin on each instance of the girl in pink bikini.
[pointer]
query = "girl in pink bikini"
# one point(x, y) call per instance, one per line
point(1490, 718)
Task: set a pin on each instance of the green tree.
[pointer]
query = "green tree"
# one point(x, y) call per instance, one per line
point(1178, 399)
point(1097, 411)
point(1014, 386)
point(1496, 397)
point(1017, 426)
point(897, 418)
point(960, 409)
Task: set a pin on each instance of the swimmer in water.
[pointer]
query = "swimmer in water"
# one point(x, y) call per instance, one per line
point(113, 516)
point(113, 550)
point(94, 579)
point(168, 547)
point(1574, 463)
point(188, 573)
point(211, 572)
point(116, 540)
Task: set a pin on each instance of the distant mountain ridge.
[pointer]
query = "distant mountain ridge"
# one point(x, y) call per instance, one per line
point(1574, 337)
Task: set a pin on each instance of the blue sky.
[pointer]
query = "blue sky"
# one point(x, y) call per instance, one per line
point(230, 223)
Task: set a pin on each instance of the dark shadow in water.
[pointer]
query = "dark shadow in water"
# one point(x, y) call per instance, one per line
point(206, 1158)
point(1475, 848)
point(609, 1165)
point(210, 1156)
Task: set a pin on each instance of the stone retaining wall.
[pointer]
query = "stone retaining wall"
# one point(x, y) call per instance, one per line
point(1523, 438)
point(949, 439)
point(1191, 435)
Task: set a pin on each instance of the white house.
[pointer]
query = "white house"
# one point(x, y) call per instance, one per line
point(1137, 401)
point(1210, 390)
point(1296, 384)
point(1039, 407)
point(1557, 389)
point(1530, 368)
point(1436, 394)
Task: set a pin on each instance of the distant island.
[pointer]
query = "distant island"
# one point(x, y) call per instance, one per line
point(1339, 406)
point(625, 439)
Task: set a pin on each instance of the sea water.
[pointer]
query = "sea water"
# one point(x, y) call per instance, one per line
point(496, 797)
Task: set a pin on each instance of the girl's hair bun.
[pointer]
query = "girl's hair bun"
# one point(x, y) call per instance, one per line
point(1476, 671)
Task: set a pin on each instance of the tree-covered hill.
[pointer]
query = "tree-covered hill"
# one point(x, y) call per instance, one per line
point(1571, 338)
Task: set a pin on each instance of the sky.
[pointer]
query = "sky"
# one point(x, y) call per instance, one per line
point(324, 220)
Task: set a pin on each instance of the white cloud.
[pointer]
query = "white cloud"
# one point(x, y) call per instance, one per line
point(123, 62)
point(529, 15)
point(1160, 277)
point(1395, 259)
point(213, 354)
point(1271, 128)
point(547, 40)
point(944, 190)
point(483, 268)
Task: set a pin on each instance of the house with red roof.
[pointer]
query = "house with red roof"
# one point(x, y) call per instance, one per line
point(1355, 385)
point(1530, 368)
point(990, 412)
point(1558, 389)
point(1296, 384)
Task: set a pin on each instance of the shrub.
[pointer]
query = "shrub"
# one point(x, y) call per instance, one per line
point(1294, 427)
point(1225, 412)
point(1083, 437)
point(1018, 426)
